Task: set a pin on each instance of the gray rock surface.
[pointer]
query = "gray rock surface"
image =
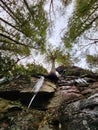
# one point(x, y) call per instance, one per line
point(80, 115)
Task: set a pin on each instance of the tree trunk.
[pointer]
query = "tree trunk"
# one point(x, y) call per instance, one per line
point(53, 70)
point(52, 75)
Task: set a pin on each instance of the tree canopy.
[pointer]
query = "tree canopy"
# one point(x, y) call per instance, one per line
point(57, 55)
point(84, 17)
point(23, 26)
point(83, 25)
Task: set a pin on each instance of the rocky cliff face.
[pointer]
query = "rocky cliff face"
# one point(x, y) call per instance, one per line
point(70, 104)
point(79, 107)
point(80, 115)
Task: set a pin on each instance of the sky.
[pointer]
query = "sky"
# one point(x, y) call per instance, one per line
point(59, 17)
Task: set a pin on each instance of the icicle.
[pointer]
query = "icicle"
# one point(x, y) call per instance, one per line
point(79, 81)
point(36, 89)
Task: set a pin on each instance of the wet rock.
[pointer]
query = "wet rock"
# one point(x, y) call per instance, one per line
point(91, 89)
point(21, 120)
point(64, 71)
point(69, 93)
point(87, 92)
point(64, 94)
point(23, 91)
point(46, 87)
point(70, 70)
point(94, 85)
point(80, 115)
point(52, 77)
point(56, 107)
point(7, 105)
point(71, 96)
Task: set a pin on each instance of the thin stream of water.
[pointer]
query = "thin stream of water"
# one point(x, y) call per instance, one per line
point(36, 89)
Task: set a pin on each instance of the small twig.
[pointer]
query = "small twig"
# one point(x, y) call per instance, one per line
point(51, 9)
point(51, 6)
point(92, 38)
point(95, 41)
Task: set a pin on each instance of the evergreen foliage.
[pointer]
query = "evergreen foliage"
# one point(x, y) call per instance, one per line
point(36, 69)
point(92, 60)
point(84, 19)
point(57, 55)
point(84, 16)
point(10, 69)
point(6, 65)
point(23, 26)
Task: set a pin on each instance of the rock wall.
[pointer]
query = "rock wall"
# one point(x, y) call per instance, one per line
point(79, 107)
point(71, 104)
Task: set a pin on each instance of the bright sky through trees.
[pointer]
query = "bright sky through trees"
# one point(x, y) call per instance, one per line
point(58, 18)
point(59, 23)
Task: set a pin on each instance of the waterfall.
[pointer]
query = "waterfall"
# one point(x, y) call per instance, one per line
point(2, 80)
point(36, 89)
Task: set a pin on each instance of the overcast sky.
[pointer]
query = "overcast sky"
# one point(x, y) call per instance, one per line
point(59, 17)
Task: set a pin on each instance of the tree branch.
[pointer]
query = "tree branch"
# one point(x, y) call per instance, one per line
point(10, 25)
point(92, 39)
point(8, 37)
point(7, 9)
point(25, 2)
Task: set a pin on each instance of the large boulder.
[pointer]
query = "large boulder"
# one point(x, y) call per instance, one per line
point(70, 70)
point(64, 71)
point(80, 115)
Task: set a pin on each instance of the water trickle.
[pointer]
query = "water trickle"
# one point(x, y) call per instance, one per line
point(36, 89)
